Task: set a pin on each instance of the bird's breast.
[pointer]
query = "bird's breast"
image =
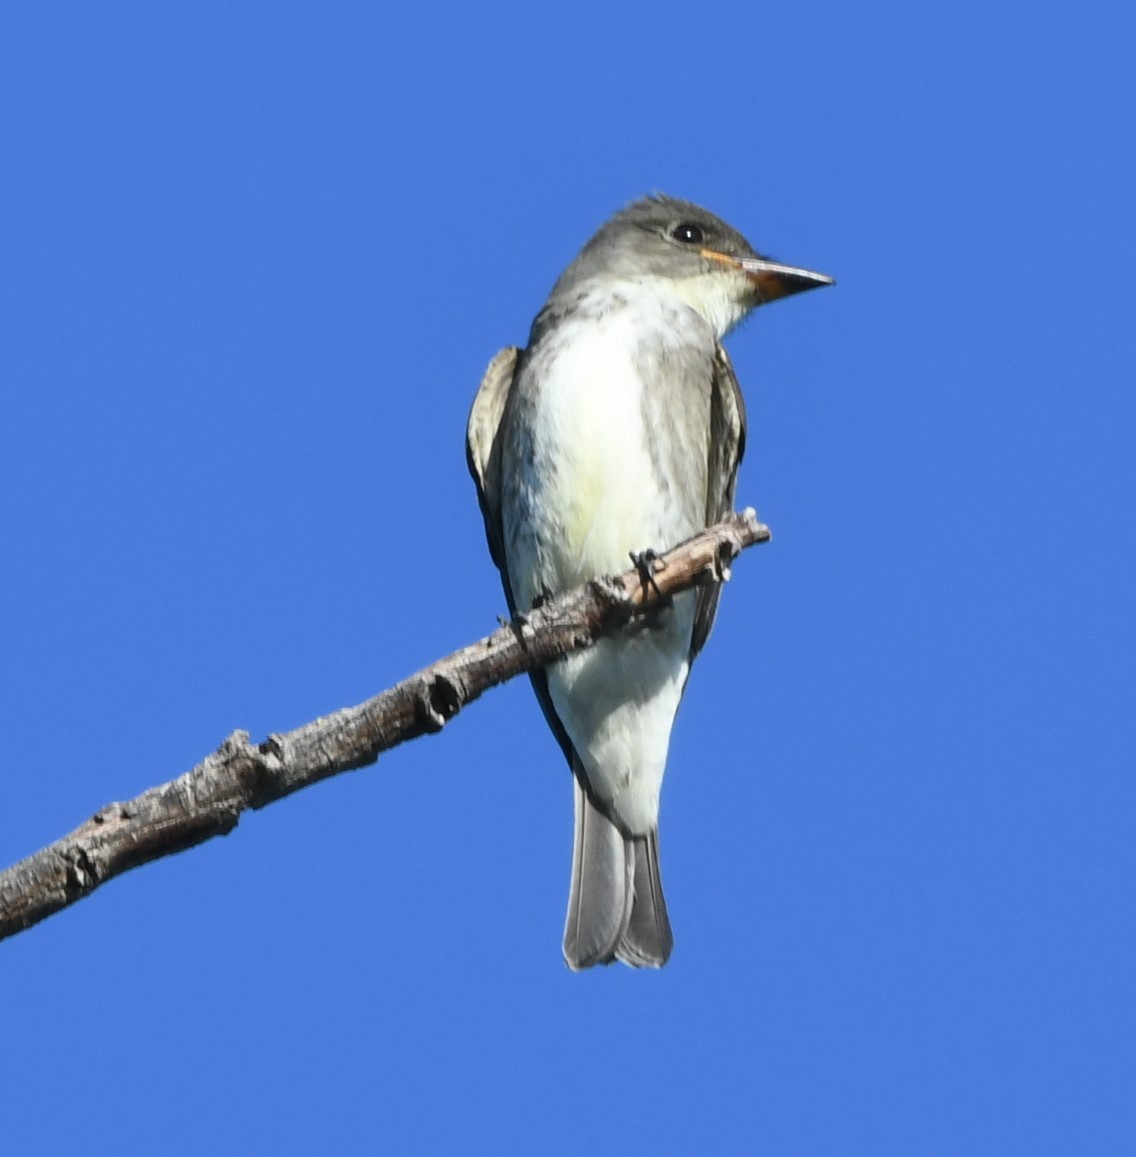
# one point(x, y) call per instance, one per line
point(603, 408)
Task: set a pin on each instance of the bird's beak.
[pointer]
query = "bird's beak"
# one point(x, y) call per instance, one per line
point(772, 279)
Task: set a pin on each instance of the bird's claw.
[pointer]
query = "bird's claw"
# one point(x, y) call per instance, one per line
point(646, 562)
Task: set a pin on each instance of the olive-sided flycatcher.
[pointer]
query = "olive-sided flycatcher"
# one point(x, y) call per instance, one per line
point(618, 430)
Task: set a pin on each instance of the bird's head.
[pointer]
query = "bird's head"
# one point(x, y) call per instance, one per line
point(686, 249)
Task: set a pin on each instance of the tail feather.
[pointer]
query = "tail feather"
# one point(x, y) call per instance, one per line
point(599, 903)
point(647, 941)
point(616, 909)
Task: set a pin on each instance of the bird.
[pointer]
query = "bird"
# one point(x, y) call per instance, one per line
point(617, 431)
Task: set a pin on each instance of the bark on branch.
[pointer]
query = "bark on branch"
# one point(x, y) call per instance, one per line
point(239, 775)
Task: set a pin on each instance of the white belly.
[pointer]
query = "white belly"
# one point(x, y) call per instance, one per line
point(592, 495)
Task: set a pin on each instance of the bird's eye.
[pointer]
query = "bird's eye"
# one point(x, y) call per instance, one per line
point(688, 232)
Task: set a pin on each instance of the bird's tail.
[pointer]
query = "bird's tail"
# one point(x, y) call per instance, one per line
point(616, 909)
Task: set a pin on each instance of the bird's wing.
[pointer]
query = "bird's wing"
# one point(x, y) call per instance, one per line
point(483, 454)
point(483, 451)
point(727, 445)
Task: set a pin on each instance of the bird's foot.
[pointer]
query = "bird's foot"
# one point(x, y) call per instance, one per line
point(647, 562)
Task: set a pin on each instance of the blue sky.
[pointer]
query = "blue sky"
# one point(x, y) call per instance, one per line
point(255, 260)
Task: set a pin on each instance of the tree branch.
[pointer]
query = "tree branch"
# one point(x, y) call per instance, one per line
point(208, 800)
